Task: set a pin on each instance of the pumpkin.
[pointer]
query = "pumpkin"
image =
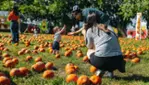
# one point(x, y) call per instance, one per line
point(27, 51)
point(9, 63)
point(93, 69)
point(71, 78)
point(39, 66)
point(49, 65)
point(48, 74)
point(83, 80)
point(34, 51)
point(20, 52)
point(79, 55)
point(28, 58)
point(41, 49)
point(15, 60)
point(15, 72)
point(69, 65)
point(57, 56)
point(135, 60)
point(68, 53)
point(70, 70)
point(23, 71)
point(36, 47)
point(95, 80)
point(85, 59)
point(5, 55)
point(38, 59)
point(7, 58)
point(4, 80)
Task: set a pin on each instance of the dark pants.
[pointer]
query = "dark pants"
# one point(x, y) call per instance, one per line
point(55, 45)
point(14, 31)
point(108, 63)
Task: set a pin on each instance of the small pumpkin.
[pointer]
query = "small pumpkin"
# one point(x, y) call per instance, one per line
point(48, 74)
point(71, 78)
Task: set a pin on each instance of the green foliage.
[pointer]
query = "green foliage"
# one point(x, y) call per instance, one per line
point(129, 8)
point(59, 11)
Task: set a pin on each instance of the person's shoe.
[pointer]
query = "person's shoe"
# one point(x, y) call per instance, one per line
point(109, 74)
point(122, 69)
point(99, 73)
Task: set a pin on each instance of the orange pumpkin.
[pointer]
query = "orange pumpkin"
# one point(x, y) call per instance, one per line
point(70, 70)
point(95, 80)
point(71, 78)
point(28, 58)
point(5, 49)
point(85, 59)
point(4, 80)
point(38, 59)
point(15, 60)
point(51, 50)
point(23, 71)
point(49, 65)
point(93, 69)
point(41, 49)
point(57, 56)
point(9, 63)
point(79, 51)
point(34, 51)
point(5, 55)
point(20, 52)
point(69, 65)
point(68, 53)
point(15, 72)
point(48, 74)
point(135, 60)
point(7, 58)
point(83, 80)
point(79, 55)
point(36, 47)
point(27, 51)
point(39, 66)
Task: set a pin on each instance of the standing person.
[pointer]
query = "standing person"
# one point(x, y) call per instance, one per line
point(57, 38)
point(35, 30)
point(81, 16)
point(105, 53)
point(13, 17)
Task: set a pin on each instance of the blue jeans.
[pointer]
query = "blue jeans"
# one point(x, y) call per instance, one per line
point(14, 31)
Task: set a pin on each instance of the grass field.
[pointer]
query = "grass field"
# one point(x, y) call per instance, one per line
point(136, 73)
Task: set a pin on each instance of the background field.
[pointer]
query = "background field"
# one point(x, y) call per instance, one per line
point(136, 73)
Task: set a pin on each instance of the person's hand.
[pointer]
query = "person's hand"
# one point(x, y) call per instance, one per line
point(103, 27)
point(70, 33)
point(64, 26)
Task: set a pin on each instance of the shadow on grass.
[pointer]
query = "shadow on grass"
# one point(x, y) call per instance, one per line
point(133, 77)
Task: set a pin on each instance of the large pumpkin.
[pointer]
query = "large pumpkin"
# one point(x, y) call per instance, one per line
point(95, 80)
point(83, 80)
point(15, 72)
point(4, 80)
point(71, 78)
point(39, 66)
point(48, 74)
point(49, 65)
point(38, 59)
point(24, 71)
point(93, 69)
point(9, 63)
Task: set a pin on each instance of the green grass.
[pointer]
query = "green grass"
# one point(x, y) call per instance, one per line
point(136, 74)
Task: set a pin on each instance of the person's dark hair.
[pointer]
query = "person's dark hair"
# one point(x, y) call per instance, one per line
point(91, 20)
point(15, 10)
